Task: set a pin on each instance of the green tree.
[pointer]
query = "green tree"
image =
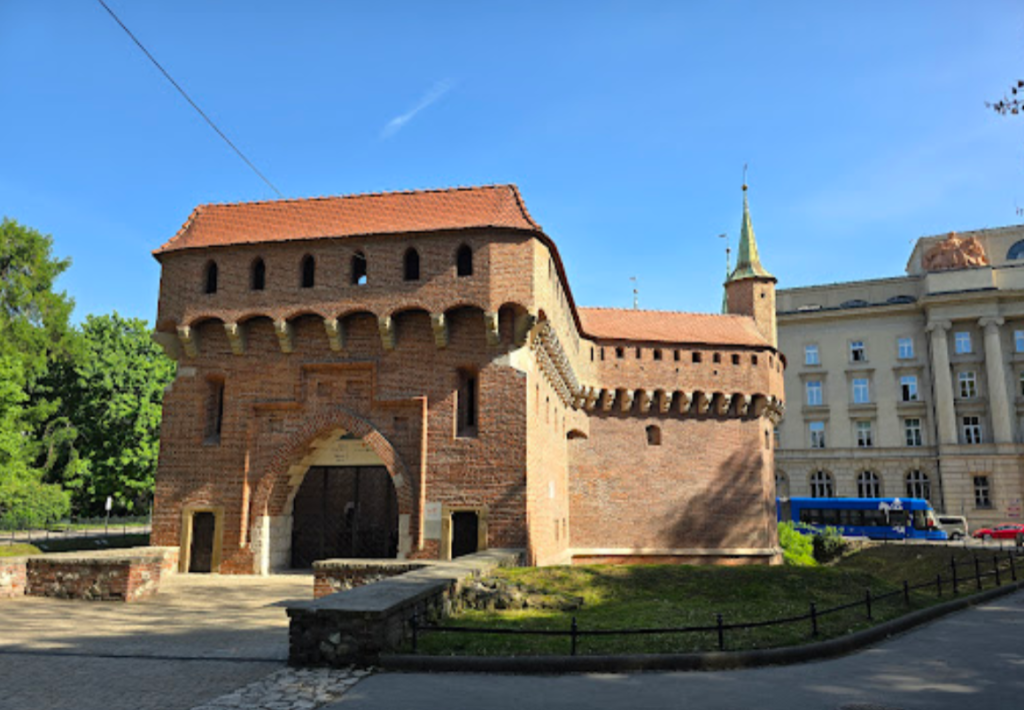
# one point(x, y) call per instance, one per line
point(34, 330)
point(112, 390)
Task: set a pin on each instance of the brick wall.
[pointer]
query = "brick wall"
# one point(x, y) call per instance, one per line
point(13, 576)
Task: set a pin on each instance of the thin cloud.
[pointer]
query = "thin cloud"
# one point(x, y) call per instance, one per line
point(433, 96)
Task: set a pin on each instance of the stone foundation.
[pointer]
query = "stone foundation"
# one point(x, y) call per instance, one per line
point(109, 575)
point(357, 625)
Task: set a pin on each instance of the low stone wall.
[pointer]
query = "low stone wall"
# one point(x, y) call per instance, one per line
point(13, 576)
point(108, 575)
point(331, 576)
point(355, 626)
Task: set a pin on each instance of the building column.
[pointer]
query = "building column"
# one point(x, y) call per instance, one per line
point(999, 404)
point(944, 411)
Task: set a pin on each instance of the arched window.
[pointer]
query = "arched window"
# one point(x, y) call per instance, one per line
point(918, 485)
point(308, 271)
point(781, 484)
point(464, 261)
point(868, 485)
point(259, 275)
point(412, 265)
point(210, 283)
point(1016, 251)
point(821, 485)
point(653, 436)
point(359, 269)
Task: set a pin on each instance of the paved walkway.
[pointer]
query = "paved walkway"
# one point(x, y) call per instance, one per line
point(201, 637)
point(969, 660)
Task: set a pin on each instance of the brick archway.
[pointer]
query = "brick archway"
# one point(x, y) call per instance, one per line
point(271, 515)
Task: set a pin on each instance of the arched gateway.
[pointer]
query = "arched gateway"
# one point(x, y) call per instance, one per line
point(341, 491)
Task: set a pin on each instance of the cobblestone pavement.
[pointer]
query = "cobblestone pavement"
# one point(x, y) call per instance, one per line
point(203, 641)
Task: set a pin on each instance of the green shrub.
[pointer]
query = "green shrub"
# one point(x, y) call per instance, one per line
point(797, 549)
point(829, 544)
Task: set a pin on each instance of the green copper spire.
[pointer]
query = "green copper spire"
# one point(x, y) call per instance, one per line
point(748, 263)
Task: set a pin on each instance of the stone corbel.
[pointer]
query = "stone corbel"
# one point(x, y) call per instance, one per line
point(742, 404)
point(607, 399)
point(491, 326)
point(524, 324)
point(592, 396)
point(236, 337)
point(665, 402)
point(189, 340)
point(646, 399)
point(439, 324)
point(625, 400)
point(702, 403)
point(335, 333)
point(283, 330)
point(169, 343)
point(683, 402)
point(386, 326)
point(722, 402)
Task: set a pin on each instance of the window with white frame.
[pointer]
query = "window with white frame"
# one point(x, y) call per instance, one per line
point(864, 435)
point(821, 485)
point(861, 391)
point(906, 348)
point(868, 485)
point(962, 342)
point(918, 485)
point(781, 484)
point(1018, 341)
point(912, 431)
point(814, 393)
point(968, 385)
point(857, 352)
point(908, 388)
point(817, 431)
point(982, 493)
point(811, 355)
point(972, 429)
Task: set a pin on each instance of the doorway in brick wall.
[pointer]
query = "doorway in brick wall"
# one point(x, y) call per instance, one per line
point(344, 512)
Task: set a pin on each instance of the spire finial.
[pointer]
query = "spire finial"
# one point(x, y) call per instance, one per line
point(748, 262)
point(744, 177)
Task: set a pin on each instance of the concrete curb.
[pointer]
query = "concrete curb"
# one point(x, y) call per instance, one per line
point(715, 661)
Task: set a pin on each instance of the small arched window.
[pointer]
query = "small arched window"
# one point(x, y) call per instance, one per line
point(1016, 251)
point(464, 261)
point(868, 485)
point(210, 282)
point(918, 485)
point(359, 269)
point(653, 435)
point(308, 271)
point(259, 275)
point(821, 485)
point(412, 265)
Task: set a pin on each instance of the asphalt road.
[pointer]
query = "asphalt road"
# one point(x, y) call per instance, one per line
point(971, 660)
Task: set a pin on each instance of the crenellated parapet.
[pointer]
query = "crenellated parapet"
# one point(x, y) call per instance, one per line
point(697, 403)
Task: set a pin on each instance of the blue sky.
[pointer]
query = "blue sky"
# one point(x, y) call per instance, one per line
point(625, 125)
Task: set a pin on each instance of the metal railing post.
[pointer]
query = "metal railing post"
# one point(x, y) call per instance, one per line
point(415, 635)
point(995, 565)
point(1013, 567)
point(867, 600)
point(721, 633)
point(938, 584)
point(956, 587)
point(906, 592)
point(814, 619)
point(573, 632)
point(977, 572)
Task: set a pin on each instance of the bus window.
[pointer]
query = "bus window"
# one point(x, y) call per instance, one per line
point(921, 520)
point(830, 516)
point(874, 518)
point(897, 517)
point(851, 518)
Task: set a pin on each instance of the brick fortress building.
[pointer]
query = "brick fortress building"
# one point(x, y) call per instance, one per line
point(407, 375)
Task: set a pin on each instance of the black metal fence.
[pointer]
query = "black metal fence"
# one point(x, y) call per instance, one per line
point(974, 578)
point(77, 528)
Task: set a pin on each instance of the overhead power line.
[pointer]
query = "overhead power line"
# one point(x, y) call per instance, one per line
point(189, 99)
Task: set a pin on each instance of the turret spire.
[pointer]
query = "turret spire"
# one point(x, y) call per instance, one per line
point(748, 262)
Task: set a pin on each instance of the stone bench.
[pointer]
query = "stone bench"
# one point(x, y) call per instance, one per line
point(356, 625)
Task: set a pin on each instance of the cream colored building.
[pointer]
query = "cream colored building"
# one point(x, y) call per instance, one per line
point(912, 385)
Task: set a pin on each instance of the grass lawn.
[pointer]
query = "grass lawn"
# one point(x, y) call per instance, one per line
point(18, 550)
point(659, 596)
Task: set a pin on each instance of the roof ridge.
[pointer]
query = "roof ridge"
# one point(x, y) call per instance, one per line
point(652, 310)
point(380, 193)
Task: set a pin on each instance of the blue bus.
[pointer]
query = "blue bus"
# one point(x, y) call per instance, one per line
point(875, 518)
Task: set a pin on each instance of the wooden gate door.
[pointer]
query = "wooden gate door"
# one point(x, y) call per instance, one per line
point(465, 533)
point(200, 555)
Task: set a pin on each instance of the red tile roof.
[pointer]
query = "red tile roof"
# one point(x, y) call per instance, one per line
point(670, 327)
point(353, 215)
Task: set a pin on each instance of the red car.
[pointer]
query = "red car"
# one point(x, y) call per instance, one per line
point(1006, 531)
